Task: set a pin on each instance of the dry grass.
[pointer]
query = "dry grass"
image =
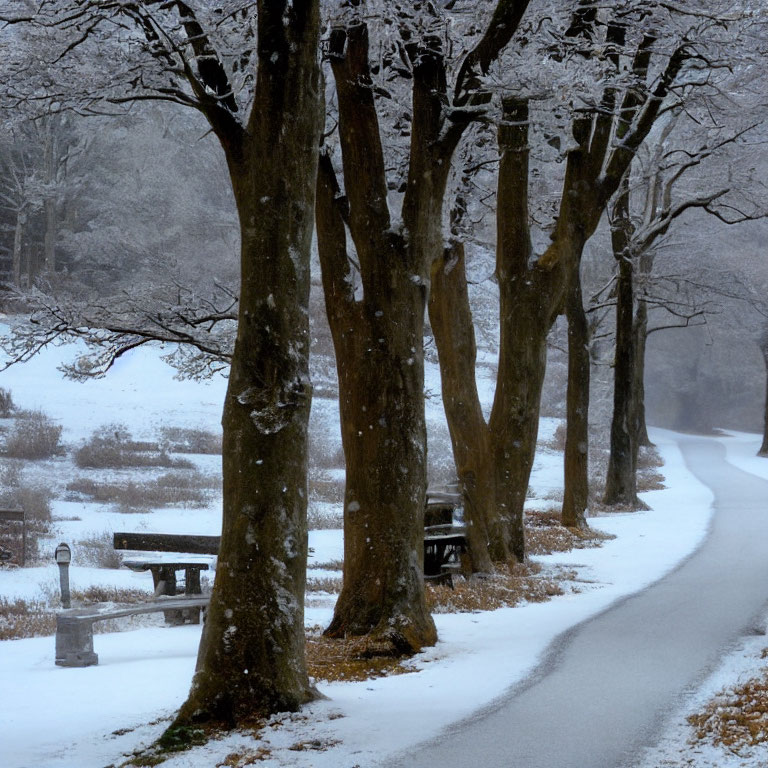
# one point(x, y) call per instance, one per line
point(736, 718)
point(246, 757)
point(21, 619)
point(545, 535)
point(557, 441)
point(345, 659)
point(98, 551)
point(324, 584)
point(649, 480)
point(187, 489)
point(510, 585)
point(323, 487)
point(321, 517)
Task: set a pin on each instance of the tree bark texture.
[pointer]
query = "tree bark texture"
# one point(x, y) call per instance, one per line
point(251, 657)
point(576, 489)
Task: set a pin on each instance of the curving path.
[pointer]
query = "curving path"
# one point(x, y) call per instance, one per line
point(604, 689)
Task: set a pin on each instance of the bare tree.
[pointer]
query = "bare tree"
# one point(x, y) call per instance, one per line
point(677, 175)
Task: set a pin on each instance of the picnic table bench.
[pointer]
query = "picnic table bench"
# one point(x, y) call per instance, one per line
point(163, 555)
point(444, 541)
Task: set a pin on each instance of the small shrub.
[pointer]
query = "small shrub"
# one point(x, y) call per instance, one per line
point(36, 503)
point(34, 436)
point(323, 487)
point(323, 455)
point(186, 440)
point(557, 441)
point(322, 516)
point(96, 550)
point(112, 446)
point(7, 406)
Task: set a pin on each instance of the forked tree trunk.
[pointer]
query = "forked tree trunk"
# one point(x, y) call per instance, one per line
point(251, 657)
point(529, 298)
point(378, 338)
point(451, 320)
point(383, 433)
point(576, 489)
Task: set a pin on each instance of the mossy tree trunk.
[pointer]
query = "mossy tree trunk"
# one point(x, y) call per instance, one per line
point(251, 657)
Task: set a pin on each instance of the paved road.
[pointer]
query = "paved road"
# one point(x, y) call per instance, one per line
point(605, 687)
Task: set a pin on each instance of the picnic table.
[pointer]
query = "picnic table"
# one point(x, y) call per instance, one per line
point(164, 570)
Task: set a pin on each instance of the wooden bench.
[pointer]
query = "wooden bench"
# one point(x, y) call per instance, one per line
point(74, 627)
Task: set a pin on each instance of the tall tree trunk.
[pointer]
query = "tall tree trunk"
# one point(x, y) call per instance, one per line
point(764, 350)
point(641, 338)
point(18, 240)
point(621, 482)
point(251, 657)
point(529, 299)
point(49, 200)
point(577, 404)
point(378, 338)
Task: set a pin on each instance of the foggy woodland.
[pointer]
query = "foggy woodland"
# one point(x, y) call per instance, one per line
point(498, 184)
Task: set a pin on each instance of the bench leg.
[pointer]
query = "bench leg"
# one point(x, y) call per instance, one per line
point(74, 642)
point(165, 584)
point(192, 587)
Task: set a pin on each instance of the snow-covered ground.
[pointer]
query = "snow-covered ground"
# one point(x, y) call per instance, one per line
point(87, 718)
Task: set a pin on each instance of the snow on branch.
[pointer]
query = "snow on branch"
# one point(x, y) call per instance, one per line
point(200, 329)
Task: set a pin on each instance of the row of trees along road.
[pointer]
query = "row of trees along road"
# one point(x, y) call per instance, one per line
point(414, 95)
